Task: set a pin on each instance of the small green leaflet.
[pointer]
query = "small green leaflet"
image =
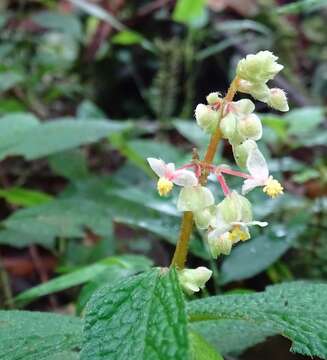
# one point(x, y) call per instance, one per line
point(201, 350)
point(24, 197)
point(141, 318)
point(294, 310)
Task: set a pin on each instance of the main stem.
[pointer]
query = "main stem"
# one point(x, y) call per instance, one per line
point(181, 250)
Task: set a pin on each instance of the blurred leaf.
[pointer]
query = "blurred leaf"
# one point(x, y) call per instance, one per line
point(9, 79)
point(306, 175)
point(23, 197)
point(84, 275)
point(191, 131)
point(127, 37)
point(88, 110)
point(56, 136)
point(301, 6)
point(19, 239)
point(135, 306)
point(200, 349)
point(232, 336)
point(253, 256)
point(66, 23)
point(240, 26)
point(188, 11)
point(38, 336)
point(303, 120)
point(290, 309)
point(98, 12)
point(70, 164)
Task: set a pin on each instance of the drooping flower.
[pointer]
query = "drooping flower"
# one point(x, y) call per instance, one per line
point(258, 169)
point(278, 100)
point(168, 176)
point(194, 198)
point(192, 280)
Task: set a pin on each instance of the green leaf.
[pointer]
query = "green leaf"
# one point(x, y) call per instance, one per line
point(9, 79)
point(20, 239)
point(293, 310)
point(38, 336)
point(127, 37)
point(191, 131)
point(66, 23)
point(303, 120)
point(188, 11)
point(59, 135)
point(201, 350)
point(141, 318)
point(81, 276)
point(300, 6)
point(227, 336)
point(70, 164)
point(23, 197)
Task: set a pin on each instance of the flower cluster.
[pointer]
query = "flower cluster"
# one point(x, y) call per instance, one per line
point(228, 221)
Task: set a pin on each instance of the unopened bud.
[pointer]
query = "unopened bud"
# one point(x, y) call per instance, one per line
point(250, 127)
point(194, 198)
point(221, 245)
point(244, 106)
point(258, 68)
point(278, 100)
point(235, 208)
point(206, 118)
point(259, 91)
point(228, 125)
point(213, 98)
point(192, 280)
point(241, 152)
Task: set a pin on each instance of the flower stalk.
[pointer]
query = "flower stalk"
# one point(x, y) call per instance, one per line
point(181, 250)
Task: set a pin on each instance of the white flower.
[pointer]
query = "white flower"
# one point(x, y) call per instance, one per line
point(169, 176)
point(258, 169)
point(195, 198)
point(259, 68)
point(192, 280)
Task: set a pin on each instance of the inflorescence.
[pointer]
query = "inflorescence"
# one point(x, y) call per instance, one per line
point(227, 222)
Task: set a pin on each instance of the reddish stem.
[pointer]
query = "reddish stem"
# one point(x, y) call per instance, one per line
point(223, 184)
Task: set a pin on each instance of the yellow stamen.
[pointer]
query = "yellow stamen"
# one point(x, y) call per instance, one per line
point(238, 234)
point(164, 186)
point(273, 188)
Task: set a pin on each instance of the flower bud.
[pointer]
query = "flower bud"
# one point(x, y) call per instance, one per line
point(258, 68)
point(205, 217)
point(206, 118)
point(221, 245)
point(241, 152)
point(244, 106)
point(250, 127)
point(194, 198)
point(192, 280)
point(278, 100)
point(259, 91)
point(213, 98)
point(235, 208)
point(228, 125)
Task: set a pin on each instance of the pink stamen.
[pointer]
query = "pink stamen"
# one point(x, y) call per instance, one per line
point(223, 184)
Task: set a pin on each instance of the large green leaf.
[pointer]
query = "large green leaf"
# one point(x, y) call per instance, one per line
point(227, 336)
point(201, 350)
point(83, 275)
point(59, 135)
point(294, 310)
point(141, 318)
point(38, 336)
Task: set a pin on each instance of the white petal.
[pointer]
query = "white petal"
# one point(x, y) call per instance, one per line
point(244, 106)
point(257, 166)
point(158, 166)
point(248, 185)
point(259, 223)
point(170, 167)
point(184, 178)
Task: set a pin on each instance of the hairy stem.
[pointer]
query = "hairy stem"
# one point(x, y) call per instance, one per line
point(181, 250)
